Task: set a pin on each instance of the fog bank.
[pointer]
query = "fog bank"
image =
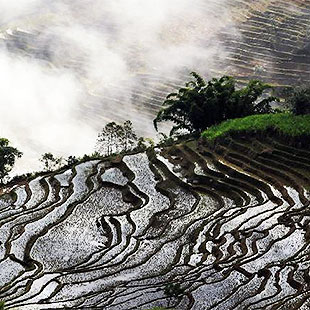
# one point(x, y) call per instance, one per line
point(68, 67)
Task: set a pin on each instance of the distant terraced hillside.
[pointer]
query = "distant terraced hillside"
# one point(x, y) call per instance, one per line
point(231, 225)
point(275, 41)
point(97, 70)
point(266, 39)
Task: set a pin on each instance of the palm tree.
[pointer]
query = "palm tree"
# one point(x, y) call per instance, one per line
point(200, 105)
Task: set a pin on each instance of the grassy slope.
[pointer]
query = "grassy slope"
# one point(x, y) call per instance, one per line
point(284, 123)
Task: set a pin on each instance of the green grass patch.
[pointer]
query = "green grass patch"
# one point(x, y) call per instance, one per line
point(283, 123)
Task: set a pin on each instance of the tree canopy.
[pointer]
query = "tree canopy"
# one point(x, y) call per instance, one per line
point(8, 155)
point(116, 138)
point(299, 101)
point(201, 104)
point(50, 162)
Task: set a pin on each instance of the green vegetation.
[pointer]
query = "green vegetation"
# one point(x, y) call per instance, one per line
point(201, 104)
point(173, 290)
point(8, 155)
point(50, 162)
point(283, 123)
point(1, 305)
point(72, 160)
point(299, 101)
point(215, 108)
point(156, 308)
point(115, 138)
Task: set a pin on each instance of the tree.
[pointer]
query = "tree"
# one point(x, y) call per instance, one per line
point(105, 138)
point(130, 137)
point(72, 160)
point(199, 105)
point(173, 290)
point(299, 101)
point(8, 155)
point(50, 162)
point(116, 138)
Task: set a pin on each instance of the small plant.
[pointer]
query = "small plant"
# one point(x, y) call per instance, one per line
point(144, 144)
point(94, 155)
point(299, 101)
point(1, 305)
point(71, 160)
point(165, 140)
point(173, 290)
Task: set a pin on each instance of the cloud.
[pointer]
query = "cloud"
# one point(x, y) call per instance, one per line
point(17, 8)
point(38, 106)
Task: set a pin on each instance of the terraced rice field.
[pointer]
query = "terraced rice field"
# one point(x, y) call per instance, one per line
point(266, 39)
point(231, 225)
point(275, 41)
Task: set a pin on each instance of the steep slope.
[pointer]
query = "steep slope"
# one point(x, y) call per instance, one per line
point(230, 224)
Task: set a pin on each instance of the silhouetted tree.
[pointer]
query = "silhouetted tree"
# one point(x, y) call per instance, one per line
point(116, 138)
point(8, 155)
point(199, 105)
point(50, 162)
point(105, 138)
point(130, 137)
point(71, 160)
point(299, 101)
point(173, 290)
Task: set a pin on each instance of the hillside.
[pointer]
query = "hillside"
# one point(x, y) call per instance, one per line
point(230, 224)
point(275, 41)
point(265, 39)
point(120, 60)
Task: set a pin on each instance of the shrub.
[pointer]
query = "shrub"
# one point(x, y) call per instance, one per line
point(72, 160)
point(299, 101)
point(173, 290)
point(165, 140)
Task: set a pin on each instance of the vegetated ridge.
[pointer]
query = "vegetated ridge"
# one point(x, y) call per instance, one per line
point(211, 223)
